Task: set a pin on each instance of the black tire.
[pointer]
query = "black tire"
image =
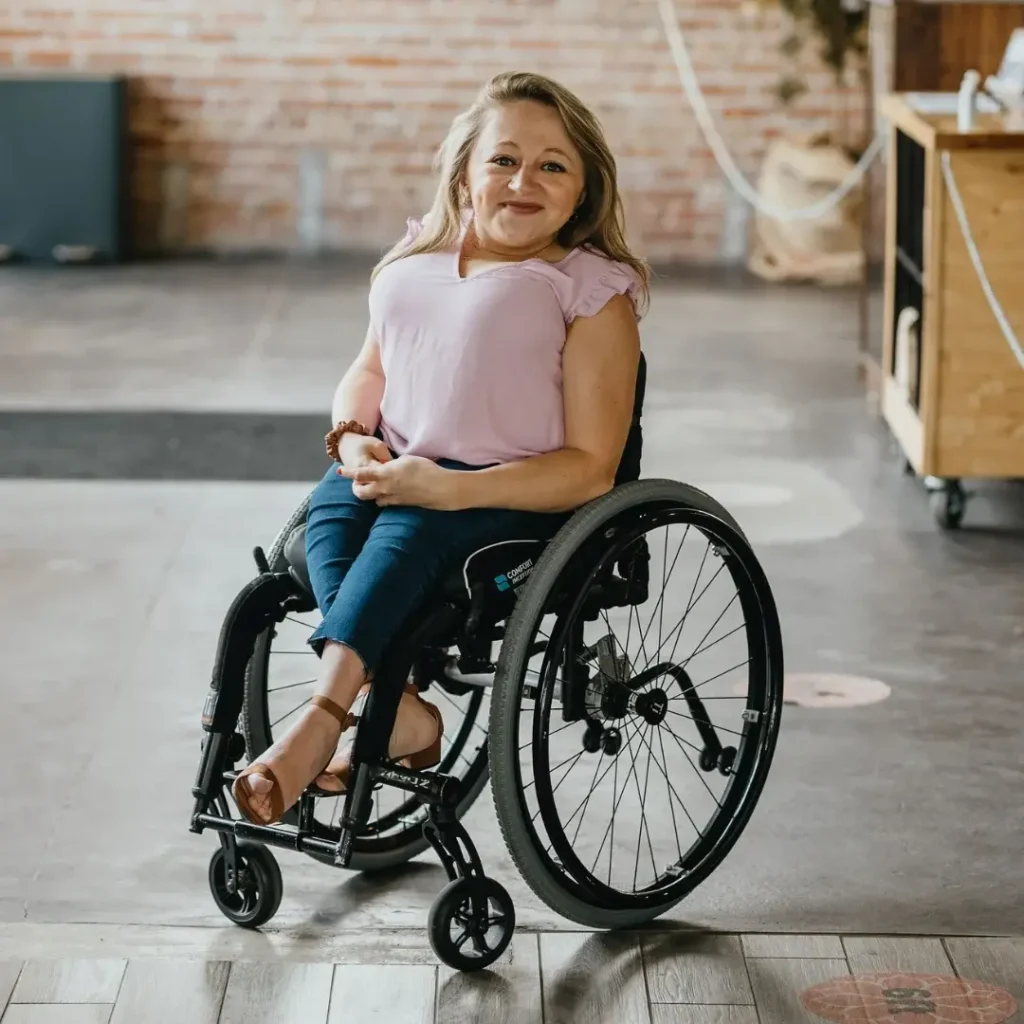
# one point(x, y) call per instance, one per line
point(453, 905)
point(575, 901)
point(260, 886)
point(949, 506)
point(374, 850)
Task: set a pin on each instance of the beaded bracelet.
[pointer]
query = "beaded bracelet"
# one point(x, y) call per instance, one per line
point(333, 438)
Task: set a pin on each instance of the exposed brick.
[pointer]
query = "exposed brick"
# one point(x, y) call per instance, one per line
point(236, 91)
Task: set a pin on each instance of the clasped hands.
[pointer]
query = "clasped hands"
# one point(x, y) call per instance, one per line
point(406, 480)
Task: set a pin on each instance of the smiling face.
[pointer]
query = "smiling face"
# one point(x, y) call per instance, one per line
point(524, 176)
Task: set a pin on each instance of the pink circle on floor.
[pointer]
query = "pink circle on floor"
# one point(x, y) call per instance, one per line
point(895, 997)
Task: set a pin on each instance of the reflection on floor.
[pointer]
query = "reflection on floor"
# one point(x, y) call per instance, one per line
point(202, 976)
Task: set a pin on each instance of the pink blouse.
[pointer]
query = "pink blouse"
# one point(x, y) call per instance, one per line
point(473, 365)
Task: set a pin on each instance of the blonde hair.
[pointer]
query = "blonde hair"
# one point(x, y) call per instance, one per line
point(597, 224)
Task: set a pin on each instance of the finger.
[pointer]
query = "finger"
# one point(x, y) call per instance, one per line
point(365, 492)
point(360, 474)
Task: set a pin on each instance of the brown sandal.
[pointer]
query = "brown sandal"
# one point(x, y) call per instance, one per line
point(242, 791)
point(418, 761)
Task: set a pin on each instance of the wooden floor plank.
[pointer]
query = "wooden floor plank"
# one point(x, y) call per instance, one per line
point(778, 985)
point(383, 994)
point(916, 956)
point(796, 947)
point(704, 969)
point(262, 993)
point(997, 961)
point(57, 1013)
point(9, 971)
point(507, 993)
point(676, 1013)
point(171, 992)
point(69, 981)
point(593, 979)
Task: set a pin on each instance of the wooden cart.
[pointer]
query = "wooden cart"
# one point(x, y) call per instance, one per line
point(952, 388)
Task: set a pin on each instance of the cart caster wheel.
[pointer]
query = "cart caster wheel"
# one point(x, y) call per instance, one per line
point(948, 506)
point(258, 889)
point(468, 937)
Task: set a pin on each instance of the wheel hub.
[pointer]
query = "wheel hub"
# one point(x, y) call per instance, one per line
point(652, 706)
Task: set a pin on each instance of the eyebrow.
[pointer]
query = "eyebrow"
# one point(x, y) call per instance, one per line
point(549, 149)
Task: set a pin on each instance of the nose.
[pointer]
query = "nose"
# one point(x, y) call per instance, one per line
point(521, 180)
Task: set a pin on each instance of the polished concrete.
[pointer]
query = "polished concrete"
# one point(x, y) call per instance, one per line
point(115, 572)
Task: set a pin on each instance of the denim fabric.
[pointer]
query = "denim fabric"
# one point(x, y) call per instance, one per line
point(372, 567)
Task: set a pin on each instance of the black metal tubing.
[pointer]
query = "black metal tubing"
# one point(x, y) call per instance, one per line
point(268, 835)
point(704, 724)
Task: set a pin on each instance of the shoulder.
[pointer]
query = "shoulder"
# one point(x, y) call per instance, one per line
point(589, 280)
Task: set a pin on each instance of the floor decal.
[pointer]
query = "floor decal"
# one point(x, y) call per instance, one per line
point(888, 997)
point(826, 690)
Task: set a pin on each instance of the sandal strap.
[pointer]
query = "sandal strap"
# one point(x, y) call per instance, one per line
point(333, 709)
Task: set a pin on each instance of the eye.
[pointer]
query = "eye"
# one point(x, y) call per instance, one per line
point(552, 165)
point(502, 161)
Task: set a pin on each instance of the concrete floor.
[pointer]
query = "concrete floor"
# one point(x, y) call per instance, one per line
point(115, 573)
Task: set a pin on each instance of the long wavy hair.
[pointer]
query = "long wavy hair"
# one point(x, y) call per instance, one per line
point(597, 223)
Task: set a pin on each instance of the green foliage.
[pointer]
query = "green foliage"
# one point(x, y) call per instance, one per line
point(839, 29)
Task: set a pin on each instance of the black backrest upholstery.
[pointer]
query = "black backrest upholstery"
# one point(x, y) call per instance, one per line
point(629, 464)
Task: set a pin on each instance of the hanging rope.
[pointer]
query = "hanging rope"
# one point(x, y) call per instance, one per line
point(972, 250)
point(691, 86)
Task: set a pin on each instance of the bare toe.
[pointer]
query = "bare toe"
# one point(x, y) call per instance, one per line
point(260, 784)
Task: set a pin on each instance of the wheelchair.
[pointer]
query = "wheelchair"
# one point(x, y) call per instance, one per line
point(564, 692)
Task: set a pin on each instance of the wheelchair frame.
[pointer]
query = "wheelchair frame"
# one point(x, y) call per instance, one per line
point(242, 864)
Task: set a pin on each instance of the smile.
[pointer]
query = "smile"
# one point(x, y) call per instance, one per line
point(517, 207)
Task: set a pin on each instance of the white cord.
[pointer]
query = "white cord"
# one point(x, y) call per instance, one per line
point(972, 250)
point(691, 87)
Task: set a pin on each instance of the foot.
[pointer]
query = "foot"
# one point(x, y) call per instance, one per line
point(294, 759)
point(415, 729)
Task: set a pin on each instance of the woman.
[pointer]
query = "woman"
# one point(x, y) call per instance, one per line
point(492, 394)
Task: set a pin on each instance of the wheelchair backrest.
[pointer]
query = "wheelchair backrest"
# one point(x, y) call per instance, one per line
point(629, 464)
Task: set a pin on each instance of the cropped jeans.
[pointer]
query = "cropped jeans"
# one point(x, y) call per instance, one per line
point(371, 568)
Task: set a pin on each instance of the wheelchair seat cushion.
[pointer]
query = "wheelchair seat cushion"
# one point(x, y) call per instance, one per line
point(496, 570)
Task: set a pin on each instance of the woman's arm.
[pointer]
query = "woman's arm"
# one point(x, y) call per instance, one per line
point(599, 367)
point(361, 390)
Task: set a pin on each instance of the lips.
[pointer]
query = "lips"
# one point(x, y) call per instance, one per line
point(518, 207)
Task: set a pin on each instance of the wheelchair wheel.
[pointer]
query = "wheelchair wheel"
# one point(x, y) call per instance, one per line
point(279, 682)
point(630, 739)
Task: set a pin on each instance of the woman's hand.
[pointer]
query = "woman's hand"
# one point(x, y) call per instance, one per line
point(407, 480)
point(355, 450)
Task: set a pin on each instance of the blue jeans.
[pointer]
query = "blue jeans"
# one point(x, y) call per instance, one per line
point(371, 568)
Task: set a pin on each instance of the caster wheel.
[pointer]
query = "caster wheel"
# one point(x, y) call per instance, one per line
point(708, 761)
point(258, 889)
point(948, 507)
point(462, 940)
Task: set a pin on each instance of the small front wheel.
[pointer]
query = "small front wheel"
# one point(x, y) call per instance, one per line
point(471, 923)
point(256, 894)
point(949, 506)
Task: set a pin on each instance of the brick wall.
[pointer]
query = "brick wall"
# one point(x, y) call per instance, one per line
point(294, 124)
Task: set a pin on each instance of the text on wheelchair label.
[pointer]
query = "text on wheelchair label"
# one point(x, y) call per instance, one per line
point(514, 577)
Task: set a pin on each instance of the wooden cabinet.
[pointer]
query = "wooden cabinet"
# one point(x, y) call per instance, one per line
point(956, 406)
point(921, 47)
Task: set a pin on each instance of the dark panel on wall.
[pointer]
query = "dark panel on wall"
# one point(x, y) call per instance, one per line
point(62, 169)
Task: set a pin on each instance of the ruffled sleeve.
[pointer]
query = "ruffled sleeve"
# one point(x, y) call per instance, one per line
point(413, 226)
point(595, 279)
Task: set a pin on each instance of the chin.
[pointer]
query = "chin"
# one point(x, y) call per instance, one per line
point(521, 229)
